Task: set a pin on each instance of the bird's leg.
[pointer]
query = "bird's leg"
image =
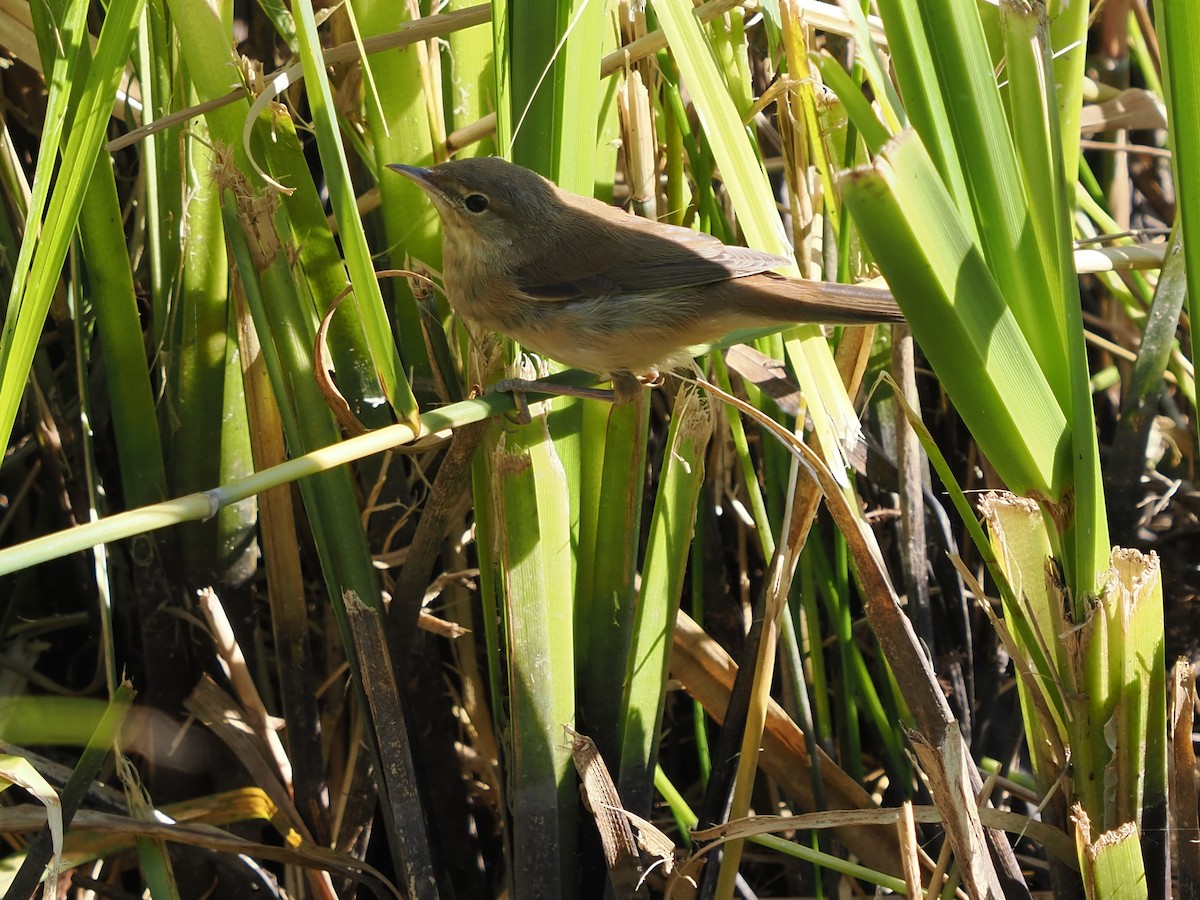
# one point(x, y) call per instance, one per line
point(553, 388)
point(518, 387)
point(626, 388)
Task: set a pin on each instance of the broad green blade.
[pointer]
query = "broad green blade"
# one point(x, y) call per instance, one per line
point(959, 317)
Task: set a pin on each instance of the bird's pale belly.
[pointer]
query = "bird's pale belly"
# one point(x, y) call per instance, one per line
point(615, 333)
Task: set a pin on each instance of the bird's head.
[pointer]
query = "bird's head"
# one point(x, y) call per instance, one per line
point(488, 199)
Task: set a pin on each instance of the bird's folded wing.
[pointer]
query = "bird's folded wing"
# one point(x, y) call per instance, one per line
point(636, 258)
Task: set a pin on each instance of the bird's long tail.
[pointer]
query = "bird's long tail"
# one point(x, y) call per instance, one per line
point(780, 299)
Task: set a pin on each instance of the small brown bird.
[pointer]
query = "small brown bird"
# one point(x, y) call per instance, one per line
point(595, 288)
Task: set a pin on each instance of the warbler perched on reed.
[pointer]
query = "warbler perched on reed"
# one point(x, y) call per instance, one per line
point(595, 288)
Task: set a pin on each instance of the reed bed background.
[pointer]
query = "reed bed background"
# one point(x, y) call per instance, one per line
point(290, 606)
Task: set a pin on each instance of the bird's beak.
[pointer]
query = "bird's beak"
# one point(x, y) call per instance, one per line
point(420, 176)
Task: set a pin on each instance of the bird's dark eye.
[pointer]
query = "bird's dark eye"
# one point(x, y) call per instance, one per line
point(476, 203)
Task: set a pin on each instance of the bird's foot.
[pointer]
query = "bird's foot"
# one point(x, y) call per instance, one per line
point(628, 387)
